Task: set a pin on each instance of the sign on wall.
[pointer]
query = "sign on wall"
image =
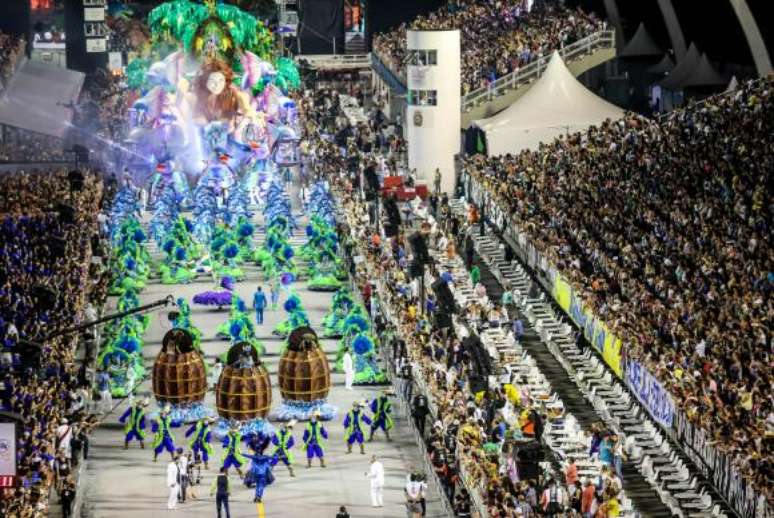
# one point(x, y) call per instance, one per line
point(94, 14)
point(650, 392)
point(7, 454)
point(96, 45)
point(115, 61)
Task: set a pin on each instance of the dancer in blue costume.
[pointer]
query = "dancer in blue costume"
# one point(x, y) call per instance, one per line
point(162, 427)
point(283, 442)
point(260, 474)
point(353, 425)
point(381, 407)
point(313, 436)
point(202, 435)
point(232, 456)
point(134, 417)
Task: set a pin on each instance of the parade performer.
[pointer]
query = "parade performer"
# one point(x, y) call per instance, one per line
point(296, 316)
point(183, 321)
point(164, 440)
point(259, 304)
point(134, 417)
point(258, 441)
point(240, 327)
point(353, 425)
point(232, 456)
point(283, 440)
point(333, 321)
point(202, 435)
point(355, 323)
point(381, 407)
point(313, 436)
point(237, 315)
point(275, 293)
point(367, 371)
point(260, 474)
point(348, 365)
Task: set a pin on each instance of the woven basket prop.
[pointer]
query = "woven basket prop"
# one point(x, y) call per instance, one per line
point(244, 388)
point(178, 372)
point(304, 374)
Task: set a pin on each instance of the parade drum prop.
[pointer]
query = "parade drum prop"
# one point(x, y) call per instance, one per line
point(178, 372)
point(304, 374)
point(244, 389)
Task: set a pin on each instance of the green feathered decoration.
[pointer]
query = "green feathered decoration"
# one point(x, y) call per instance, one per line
point(135, 73)
point(174, 18)
point(287, 77)
point(181, 20)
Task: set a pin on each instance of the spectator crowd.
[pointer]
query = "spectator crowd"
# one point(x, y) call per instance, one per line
point(47, 284)
point(497, 38)
point(26, 147)
point(664, 229)
point(11, 52)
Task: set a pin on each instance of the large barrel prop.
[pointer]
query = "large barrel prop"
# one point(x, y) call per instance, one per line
point(244, 390)
point(304, 374)
point(178, 372)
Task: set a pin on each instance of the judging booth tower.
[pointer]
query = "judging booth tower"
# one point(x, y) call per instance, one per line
point(433, 117)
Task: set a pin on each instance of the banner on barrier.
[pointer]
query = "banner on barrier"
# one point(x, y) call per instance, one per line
point(595, 331)
point(652, 394)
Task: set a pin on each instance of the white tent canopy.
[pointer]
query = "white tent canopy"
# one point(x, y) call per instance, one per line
point(556, 104)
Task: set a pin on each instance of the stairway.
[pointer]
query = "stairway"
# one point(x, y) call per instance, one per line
point(355, 45)
point(645, 500)
point(493, 288)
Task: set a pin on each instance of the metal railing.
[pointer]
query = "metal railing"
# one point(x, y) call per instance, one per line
point(528, 73)
point(398, 73)
point(332, 61)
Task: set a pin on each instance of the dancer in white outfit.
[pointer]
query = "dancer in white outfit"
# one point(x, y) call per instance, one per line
point(349, 370)
point(172, 472)
point(376, 474)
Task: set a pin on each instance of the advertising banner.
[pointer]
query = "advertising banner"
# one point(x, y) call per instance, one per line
point(651, 393)
point(595, 331)
point(7, 453)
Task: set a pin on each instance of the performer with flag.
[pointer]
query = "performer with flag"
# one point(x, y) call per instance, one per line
point(381, 407)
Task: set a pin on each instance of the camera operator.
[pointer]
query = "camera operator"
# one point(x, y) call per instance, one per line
point(416, 487)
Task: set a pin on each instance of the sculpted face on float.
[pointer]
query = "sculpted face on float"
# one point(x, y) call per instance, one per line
point(216, 83)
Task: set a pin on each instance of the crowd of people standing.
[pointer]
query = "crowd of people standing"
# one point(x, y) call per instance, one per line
point(497, 38)
point(662, 228)
point(12, 49)
point(48, 283)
